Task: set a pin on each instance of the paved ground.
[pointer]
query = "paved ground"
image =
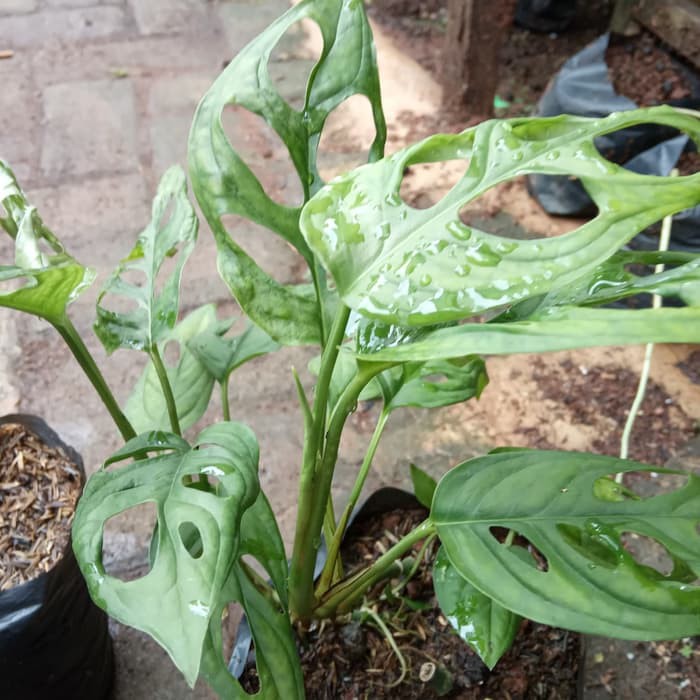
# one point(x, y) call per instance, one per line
point(96, 102)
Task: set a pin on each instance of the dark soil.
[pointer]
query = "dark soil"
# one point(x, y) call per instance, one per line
point(602, 396)
point(641, 69)
point(39, 487)
point(351, 659)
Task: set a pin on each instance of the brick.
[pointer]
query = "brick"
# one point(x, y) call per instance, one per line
point(19, 118)
point(170, 16)
point(243, 20)
point(142, 57)
point(17, 7)
point(69, 25)
point(98, 220)
point(90, 128)
point(79, 3)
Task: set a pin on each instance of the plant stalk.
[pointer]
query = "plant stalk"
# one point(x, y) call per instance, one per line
point(334, 546)
point(92, 371)
point(341, 598)
point(225, 399)
point(167, 389)
point(306, 540)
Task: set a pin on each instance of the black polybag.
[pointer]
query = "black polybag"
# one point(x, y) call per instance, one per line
point(582, 87)
point(54, 642)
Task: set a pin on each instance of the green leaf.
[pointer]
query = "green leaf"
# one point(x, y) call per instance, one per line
point(175, 601)
point(415, 267)
point(155, 313)
point(591, 583)
point(423, 486)
point(222, 355)
point(276, 656)
point(43, 279)
point(435, 384)
point(557, 328)
point(190, 380)
point(224, 184)
point(485, 625)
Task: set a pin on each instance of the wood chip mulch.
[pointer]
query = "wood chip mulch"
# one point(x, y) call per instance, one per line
point(39, 488)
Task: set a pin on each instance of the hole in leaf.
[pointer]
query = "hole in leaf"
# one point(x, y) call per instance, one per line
point(167, 214)
point(128, 547)
point(14, 284)
point(644, 486)
point(648, 552)
point(171, 353)
point(425, 184)
point(272, 253)
point(230, 621)
point(264, 152)
point(292, 60)
point(520, 546)
point(191, 539)
point(166, 268)
point(337, 153)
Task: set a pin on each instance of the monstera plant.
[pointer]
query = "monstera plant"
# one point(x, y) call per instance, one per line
point(390, 288)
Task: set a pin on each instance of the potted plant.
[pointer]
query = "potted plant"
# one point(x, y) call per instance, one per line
point(522, 533)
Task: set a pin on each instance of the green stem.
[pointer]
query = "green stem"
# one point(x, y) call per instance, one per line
point(167, 389)
point(306, 540)
point(225, 399)
point(341, 598)
point(92, 371)
point(334, 546)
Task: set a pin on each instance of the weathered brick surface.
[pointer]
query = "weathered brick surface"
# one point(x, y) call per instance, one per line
point(170, 16)
point(64, 25)
point(90, 128)
point(17, 7)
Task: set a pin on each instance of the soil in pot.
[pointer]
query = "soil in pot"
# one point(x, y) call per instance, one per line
point(351, 659)
point(39, 489)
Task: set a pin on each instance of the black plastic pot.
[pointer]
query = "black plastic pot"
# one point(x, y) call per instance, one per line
point(54, 642)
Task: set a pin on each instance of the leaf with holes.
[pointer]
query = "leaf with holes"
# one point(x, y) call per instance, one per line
point(485, 625)
point(583, 578)
point(44, 279)
point(415, 267)
point(276, 656)
point(221, 355)
point(224, 184)
point(168, 234)
point(174, 602)
point(191, 382)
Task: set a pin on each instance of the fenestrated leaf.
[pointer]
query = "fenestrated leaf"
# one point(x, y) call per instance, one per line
point(591, 583)
point(175, 601)
point(190, 380)
point(423, 486)
point(556, 328)
point(276, 656)
point(223, 182)
point(486, 626)
point(43, 279)
point(168, 234)
point(221, 355)
point(415, 267)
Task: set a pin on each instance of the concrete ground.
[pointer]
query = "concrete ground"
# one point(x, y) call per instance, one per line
point(97, 101)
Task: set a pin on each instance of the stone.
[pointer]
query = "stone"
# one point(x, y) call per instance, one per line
point(169, 16)
point(139, 58)
point(17, 7)
point(9, 350)
point(90, 128)
point(19, 31)
point(243, 20)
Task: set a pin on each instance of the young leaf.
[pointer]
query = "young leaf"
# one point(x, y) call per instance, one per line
point(485, 625)
point(190, 380)
point(413, 267)
point(43, 279)
point(423, 486)
point(166, 236)
point(589, 582)
point(175, 601)
point(557, 328)
point(222, 355)
point(224, 184)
